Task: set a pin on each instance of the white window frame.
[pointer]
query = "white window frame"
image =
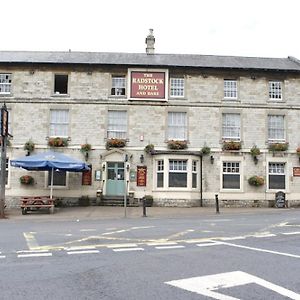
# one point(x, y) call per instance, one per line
point(56, 187)
point(177, 126)
point(231, 126)
point(177, 87)
point(117, 124)
point(231, 161)
point(230, 89)
point(195, 173)
point(118, 83)
point(160, 169)
point(7, 172)
point(178, 166)
point(277, 168)
point(275, 90)
point(59, 125)
point(5, 83)
point(276, 128)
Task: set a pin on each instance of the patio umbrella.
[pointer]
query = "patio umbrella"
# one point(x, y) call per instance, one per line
point(50, 161)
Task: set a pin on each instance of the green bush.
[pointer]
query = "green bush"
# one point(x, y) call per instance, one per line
point(84, 201)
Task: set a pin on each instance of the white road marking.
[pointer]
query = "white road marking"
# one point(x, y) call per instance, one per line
point(121, 245)
point(2, 256)
point(79, 248)
point(206, 285)
point(87, 230)
point(264, 235)
point(32, 251)
point(209, 244)
point(262, 250)
point(291, 233)
point(30, 240)
point(169, 247)
point(83, 252)
point(233, 238)
point(161, 243)
point(34, 255)
point(128, 249)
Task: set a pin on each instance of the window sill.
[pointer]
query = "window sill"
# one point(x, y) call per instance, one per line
point(231, 190)
point(117, 96)
point(60, 95)
point(177, 98)
point(232, 99)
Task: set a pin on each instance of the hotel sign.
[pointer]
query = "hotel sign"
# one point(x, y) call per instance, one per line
point(296, 171)
point(148, 85)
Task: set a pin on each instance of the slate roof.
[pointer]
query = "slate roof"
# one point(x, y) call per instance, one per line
point(152, 60)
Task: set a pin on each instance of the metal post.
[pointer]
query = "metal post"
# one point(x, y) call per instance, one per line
point(125, 198)
point(217, 204)
point(3, 176)
point(201, 181)
point(144, 207)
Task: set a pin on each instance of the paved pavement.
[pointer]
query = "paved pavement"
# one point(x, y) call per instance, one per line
point(101, 212)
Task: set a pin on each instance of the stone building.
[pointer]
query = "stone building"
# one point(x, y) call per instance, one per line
point(214, 122)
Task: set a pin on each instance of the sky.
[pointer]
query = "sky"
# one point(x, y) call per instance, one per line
point(261, 28)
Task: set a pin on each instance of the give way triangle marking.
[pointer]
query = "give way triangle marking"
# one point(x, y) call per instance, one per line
point(207, 285)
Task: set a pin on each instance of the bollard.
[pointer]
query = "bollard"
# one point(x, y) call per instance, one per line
point(144, 207)
point(217, 204)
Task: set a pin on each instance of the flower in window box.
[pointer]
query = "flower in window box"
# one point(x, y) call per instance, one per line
point(26, 179)
point(278, 147)
point(177, 145)
point(58, 142)
point(232, 146)
point(115, 143)
point(149, 149)
point(29, 146)
point(256, 180)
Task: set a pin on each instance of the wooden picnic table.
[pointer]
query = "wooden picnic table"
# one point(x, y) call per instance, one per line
point(37, 203)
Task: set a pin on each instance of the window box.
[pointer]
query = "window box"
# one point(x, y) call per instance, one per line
point(177, 145)
point(58, 142)
point(231, 146)
point(278, 147)
point(27, 180)
point(256, 180)
point(115, 143)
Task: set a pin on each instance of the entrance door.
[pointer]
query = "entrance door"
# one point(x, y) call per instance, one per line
point(115, 179)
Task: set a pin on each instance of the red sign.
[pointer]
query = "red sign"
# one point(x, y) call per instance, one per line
point(296, 171)
point(148, 85)
point(141, 176)
point(87, 177)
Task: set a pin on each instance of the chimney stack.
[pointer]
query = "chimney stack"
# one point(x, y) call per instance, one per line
point(150, 41)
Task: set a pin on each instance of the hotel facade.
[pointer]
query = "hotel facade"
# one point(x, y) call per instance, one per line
point(181, 128)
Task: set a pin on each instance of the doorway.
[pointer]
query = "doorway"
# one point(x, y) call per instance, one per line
point(115, 179)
